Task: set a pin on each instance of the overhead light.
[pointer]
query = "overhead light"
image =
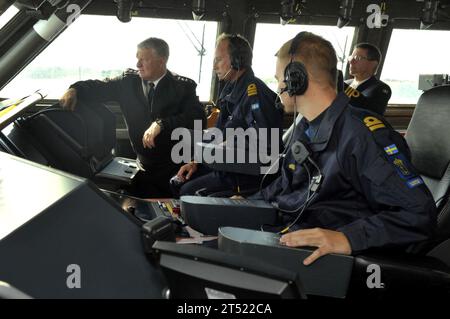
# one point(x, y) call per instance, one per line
point(345, 12)
point(430, 14)
point(287, 11)
point(198, 9)
point(124, 8)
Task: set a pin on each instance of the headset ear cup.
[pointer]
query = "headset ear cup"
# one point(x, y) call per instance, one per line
point(235, 63)
point(296, 78)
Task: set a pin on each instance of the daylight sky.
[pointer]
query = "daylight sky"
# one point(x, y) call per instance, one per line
point(103, 42)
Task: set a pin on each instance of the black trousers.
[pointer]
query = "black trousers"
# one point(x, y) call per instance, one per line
point(208, 181)
point(154, 181)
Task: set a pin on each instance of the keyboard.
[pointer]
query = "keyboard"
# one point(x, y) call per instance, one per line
point(170, 208)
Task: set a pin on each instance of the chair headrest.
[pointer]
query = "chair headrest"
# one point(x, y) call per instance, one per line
point(429, 131)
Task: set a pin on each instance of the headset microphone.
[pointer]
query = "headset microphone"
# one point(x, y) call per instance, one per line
point(228, 72)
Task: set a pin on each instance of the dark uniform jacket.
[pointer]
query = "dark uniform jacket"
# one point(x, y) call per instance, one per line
point(174, 102)
point(245, 103)
point(249, 103)
point(372, 95)
point(370, 191)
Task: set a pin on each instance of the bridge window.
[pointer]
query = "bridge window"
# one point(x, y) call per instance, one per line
point(410, 53)
point(270, 37)
point(8, 15)
point(95, 47)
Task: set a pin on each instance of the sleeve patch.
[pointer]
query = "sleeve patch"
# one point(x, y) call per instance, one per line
point(255, 106)
point(414, 182)
point(401, 165)
point(391, 149)
point(251, 90)
point(373, 123)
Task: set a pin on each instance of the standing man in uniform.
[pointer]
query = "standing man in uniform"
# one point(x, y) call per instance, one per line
point(245, 101)
point(365, 90)
point(154, 102)
point(347, 183)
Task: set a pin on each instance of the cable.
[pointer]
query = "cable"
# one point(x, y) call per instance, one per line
point(283, 154)
point(302, 207)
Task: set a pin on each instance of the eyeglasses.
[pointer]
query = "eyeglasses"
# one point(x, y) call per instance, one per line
point(357, 58)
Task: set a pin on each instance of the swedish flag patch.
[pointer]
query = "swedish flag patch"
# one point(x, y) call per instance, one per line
point(391, 149)
point(251, 90)
point(255, 106)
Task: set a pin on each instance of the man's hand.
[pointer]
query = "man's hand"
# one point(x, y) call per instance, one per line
point(148, 140)
point(327, 241)
point(187, 170)
point(69, 100)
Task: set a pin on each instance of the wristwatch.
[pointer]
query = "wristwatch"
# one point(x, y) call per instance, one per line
point(160, 123)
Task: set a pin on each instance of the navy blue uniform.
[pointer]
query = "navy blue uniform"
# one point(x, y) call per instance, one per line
point(372, 95)
point(370, 190)
point(246, 103)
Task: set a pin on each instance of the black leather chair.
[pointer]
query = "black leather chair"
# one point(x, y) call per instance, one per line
point(425, 270)
point(80, 142)
point(428, 137)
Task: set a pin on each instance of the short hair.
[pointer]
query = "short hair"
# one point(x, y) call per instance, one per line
point(239, 49)
point(159, 45)
point(373, 53)
point(317, 54)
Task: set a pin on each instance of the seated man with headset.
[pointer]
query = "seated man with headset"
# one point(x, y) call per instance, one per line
point(347, 183)
point(245, 102)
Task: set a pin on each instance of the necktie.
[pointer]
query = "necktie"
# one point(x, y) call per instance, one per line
point(151, 93)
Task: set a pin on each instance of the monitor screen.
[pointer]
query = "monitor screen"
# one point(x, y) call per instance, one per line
point(213, 274)
point(61, 237)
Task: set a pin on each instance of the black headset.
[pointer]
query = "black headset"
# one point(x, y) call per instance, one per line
point(240, 56)
point(295, 74)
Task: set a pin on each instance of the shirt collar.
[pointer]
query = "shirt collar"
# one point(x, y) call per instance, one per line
point(355, 84)
point(324, 127)
point(313, 126)
point(146, 86)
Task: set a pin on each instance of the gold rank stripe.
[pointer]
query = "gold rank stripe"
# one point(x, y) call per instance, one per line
point(351, 92)
point(373, 123)
point(251, 90)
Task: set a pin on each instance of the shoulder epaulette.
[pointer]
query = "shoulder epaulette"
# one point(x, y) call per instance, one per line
point(370, 120)
point(184, 79)
point(351, 92)
point(252, 90)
